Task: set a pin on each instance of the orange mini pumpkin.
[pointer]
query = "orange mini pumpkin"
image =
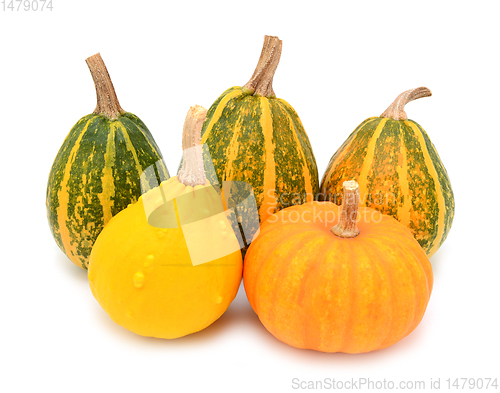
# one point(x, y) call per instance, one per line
point(337, 279)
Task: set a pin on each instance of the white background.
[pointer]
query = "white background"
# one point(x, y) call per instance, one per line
point(341, 63)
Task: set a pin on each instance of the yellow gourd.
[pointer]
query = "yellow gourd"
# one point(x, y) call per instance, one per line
point(156, 268)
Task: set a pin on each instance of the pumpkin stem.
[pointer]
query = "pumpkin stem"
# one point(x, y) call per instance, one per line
point(347, 228)
point(261, 82)
point(107, 101)
point(396, 110)
point(192, 172)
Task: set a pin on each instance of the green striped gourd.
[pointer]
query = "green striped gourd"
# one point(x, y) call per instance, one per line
point(399, 173)
point(97, 170)
point(257, 138)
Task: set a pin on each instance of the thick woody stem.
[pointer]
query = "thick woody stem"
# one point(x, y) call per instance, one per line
point(396, 110)
point(257, 74)
point(347, 228)
point(107, 101)
point(261, 82)
point(192, 172)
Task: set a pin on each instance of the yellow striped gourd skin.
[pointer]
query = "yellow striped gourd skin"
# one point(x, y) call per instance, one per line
point(261, 141)
point(95, 175)
point(399, 173)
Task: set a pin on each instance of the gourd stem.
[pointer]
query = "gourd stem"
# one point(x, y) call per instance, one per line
point(396, 110)
point(347, 228)
point(261, 82)
point(107, 101)
point(192, 172)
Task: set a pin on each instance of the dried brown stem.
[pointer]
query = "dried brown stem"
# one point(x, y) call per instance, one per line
point(107, 101)
point(261, 82)
point(192, 172)
point(347, 228)
point(396, 110)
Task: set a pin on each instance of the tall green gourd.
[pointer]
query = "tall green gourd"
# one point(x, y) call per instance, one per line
point(97, 170)
point(399, 173)
point(257, 138)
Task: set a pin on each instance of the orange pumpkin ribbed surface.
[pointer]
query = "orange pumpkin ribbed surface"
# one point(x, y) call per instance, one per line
point(317, 282)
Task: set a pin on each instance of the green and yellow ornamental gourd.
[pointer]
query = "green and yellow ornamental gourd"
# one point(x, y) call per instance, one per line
point(399, 173)
point(257, 138)
point(97, 170)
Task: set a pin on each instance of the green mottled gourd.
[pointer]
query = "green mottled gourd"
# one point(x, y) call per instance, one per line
point(97, 171)
point(399, 173)
point(257, 138)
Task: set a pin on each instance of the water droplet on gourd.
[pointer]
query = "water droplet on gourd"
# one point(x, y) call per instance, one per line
point(148, 263)
point(162, 233)
point(149, 260)
point(138, 279)
point(218, 300)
